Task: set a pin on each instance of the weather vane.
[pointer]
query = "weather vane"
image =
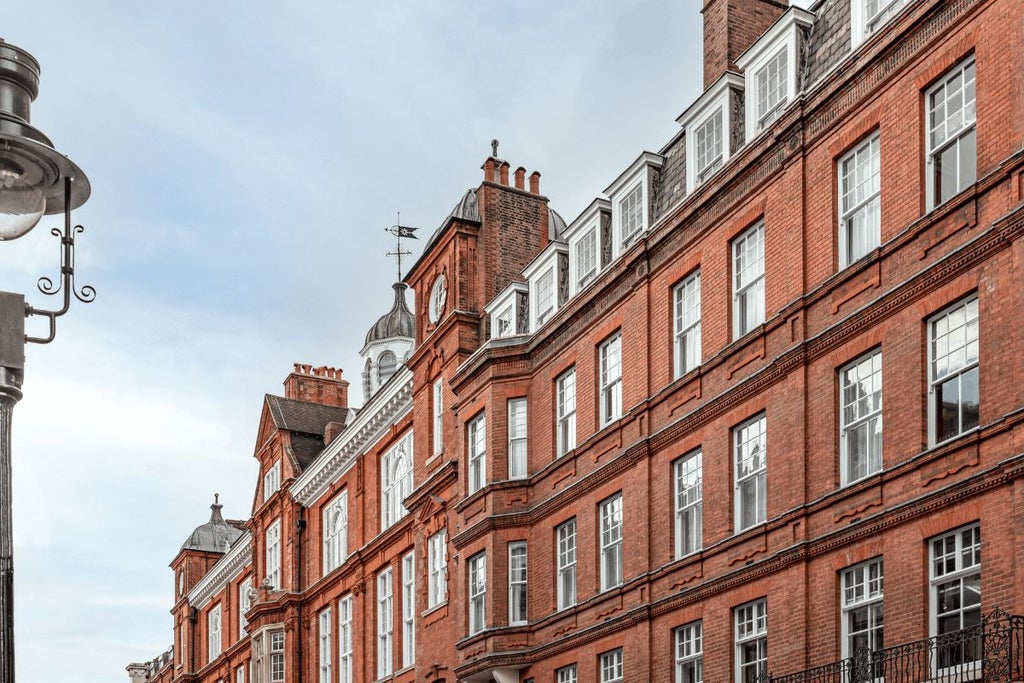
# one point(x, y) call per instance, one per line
point(400, 231)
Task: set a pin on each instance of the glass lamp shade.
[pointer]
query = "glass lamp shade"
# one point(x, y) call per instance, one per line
point(21, 204)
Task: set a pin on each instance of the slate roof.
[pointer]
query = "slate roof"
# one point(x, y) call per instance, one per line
point(304, 417)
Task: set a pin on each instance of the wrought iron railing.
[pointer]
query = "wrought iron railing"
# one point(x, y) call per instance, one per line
point(991, 651)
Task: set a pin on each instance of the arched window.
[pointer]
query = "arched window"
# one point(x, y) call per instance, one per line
point(386, 366)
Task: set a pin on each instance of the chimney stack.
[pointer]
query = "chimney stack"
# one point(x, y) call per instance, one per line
point(321, 385)
point(732, 26)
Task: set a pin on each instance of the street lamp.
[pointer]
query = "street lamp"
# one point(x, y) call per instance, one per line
point(35, 180)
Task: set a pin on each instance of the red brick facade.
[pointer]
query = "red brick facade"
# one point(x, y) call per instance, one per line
point(820, 314)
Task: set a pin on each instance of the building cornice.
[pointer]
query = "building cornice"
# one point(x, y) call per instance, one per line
point(385, 408)
point(226, 569)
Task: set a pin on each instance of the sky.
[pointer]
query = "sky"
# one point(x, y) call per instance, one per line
point(245, 159)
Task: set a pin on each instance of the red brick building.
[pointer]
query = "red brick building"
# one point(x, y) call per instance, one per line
point(757, 409)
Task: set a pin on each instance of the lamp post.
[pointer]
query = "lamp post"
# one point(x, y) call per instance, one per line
point(35, 180)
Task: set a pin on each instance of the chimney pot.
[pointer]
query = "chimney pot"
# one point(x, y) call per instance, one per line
point(535, 183)
point(503, 179)
point(520, 178)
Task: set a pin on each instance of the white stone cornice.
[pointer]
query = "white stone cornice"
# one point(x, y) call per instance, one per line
point(391, 403)
point(226, 569)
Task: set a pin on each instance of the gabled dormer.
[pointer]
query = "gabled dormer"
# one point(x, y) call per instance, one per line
point(771, 70)
point(547, 279)
point(714, 125)
point(590, 244)
point(630, 199)
point(510, 311)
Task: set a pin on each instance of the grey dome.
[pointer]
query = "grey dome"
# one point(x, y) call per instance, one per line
point(215, 535)
point(398, 322)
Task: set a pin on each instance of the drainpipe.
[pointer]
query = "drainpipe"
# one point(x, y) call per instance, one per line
point(300, 527)
point(193, 617)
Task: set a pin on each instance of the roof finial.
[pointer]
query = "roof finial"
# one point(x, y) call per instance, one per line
point(494, 148)
point(215, 515)
point(400, 231)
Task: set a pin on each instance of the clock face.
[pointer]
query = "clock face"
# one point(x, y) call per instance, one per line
point(438, 295)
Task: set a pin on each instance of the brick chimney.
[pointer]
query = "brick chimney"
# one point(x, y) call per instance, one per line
point(730, 27)
point(321, 385)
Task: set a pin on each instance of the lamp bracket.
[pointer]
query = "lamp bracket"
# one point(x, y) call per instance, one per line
point(65, 282)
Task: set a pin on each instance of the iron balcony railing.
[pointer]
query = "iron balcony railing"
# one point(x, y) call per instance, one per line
point(991, 651)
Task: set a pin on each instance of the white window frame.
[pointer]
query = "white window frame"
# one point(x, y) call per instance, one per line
point(751, 629)
point(273, 554)
point(477, 592)
point(214, 633)
point(688, 476)
point(335, 532)
point(861, 600)
point(395, 481)
point(385, 623)
point(631, 186)
point(686, 317)
point(504, 324)
point(438, 414)
point(565, 552)
point(272, 480)
point(610, 666)
point(345, 658)
point(610, 379)
point(240, 674)
point(711, 139)
point(959, 364)
point(565, 407)
point(750, 469)
point(632, 214)
point(566, 674)
point(505, 312)
point(518, 595)
point(545, 296)
point(408, 610)
point(715, 102)
point(276, 659)
point(437, 569)
point(518, 461)
point(860, 417)
point(324, 622)
point(476, 453)
point(610, 515)
point(586, 257)
point(864, 23)
point(748, 280)
point(859, 192)
point(955, 558)
point(689, 652)
point(244, 603)
point(780, 42)
point(953, 130)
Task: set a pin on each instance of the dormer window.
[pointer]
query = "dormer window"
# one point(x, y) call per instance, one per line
point(630, 196)
point(545, 296)
point(710, 150)
point(546, 277)
point(709, 123)
point(504, 322)
point(586, 258)
point(587, 240)
point(772, 88)
point(272, 480)
point(867, 16)
point(770, 70)
point(632, 214)
point(508, 311)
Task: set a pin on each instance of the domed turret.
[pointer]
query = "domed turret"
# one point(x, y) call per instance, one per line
point(214, 536)
point(398, 322)
point(389, 342)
